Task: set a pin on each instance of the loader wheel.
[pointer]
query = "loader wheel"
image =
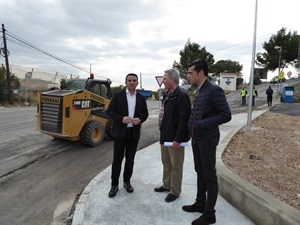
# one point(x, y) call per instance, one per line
point(92, 133)
point(108, 129)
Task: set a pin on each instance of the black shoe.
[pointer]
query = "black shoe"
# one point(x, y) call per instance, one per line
point(160, 189)
point(196, 207)
point(170, 198)
point(128, 187)
point(205, 220)
point(113, 191)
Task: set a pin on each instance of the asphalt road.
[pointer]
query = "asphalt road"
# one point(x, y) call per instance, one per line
point(41, 177)
point(287, 109)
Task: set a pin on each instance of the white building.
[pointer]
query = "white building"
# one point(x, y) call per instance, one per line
point(228, 81)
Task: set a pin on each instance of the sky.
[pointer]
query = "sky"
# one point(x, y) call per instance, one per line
point(115, 37)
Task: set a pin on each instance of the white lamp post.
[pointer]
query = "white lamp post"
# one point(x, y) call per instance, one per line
point(297, 66)
point(279, 49)
point(249, 118)
point(28, 75)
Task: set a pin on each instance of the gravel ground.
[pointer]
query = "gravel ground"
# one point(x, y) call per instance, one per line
point(268, 156)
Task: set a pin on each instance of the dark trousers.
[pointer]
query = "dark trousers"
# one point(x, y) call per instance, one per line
point(204, 152)
point(253, 100)
point(123, 147)
point(243, 100)
point(269, 100)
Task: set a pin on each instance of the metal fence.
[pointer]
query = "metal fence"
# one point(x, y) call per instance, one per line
point(50, 76)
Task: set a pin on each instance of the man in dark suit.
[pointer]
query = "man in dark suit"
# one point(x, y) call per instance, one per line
point(210, 109)
point(128, 110)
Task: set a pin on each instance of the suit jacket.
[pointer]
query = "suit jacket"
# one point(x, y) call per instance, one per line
point(118, 108)
point(209, 111)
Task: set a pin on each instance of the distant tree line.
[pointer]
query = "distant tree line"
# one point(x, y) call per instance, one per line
point(287, 42)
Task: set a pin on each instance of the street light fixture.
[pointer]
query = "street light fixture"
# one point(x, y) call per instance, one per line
point(279, 50)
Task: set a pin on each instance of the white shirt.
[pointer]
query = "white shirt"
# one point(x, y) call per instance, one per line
point(131, 99)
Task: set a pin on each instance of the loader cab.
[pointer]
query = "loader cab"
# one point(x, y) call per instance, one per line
point(99, 87)
point(76, 85)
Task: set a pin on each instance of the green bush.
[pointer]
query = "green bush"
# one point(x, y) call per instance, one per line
point(297, 92)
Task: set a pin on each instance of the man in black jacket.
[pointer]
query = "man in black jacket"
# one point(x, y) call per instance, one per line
point(173, 119)
point(269, 93)
point(210, 109)
point(128, 110)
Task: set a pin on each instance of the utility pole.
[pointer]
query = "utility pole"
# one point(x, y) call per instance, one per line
point(249, 118)
point(279, 58)
point(5, 52)
point(54, 77)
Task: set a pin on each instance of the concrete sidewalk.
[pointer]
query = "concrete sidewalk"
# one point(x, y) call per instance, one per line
point(144, 206)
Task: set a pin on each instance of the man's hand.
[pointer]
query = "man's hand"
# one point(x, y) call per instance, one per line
point(176, 144)
point(126, 119)
point(136, 121)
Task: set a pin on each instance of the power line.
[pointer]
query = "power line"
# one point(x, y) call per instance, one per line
point(17, 40)
point(42, 51)
point(231, 46)
point(18, 43)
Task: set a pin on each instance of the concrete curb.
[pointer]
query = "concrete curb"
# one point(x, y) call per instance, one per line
point(78, 215)
point(257, 205)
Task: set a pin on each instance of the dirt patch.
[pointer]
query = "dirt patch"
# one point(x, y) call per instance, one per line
point(268, 156)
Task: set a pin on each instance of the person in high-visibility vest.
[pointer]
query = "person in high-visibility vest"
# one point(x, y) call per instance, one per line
point(243, 94)
point(153, 97)
point(254, 94)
